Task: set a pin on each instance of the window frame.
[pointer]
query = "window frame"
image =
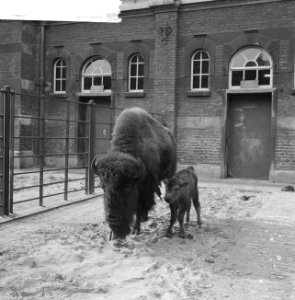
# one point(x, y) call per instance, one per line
point(136, 76)
point(62, 78)
point(200, 74)
point(94, 76)
point(256, 68)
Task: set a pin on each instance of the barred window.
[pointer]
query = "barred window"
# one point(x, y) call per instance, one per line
point(200, 71)
point(60, 76)
point(136, 74)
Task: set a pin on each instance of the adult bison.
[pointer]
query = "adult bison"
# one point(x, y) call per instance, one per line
point(142, 154)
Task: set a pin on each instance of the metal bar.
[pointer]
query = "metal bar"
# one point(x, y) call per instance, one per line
point(91, 146)
point(47, 196)
point(41, 148)
point(67, 150)
point(6, 132)
point(11, 151)
point(47, 184)
point(48, 138)
point(2, 165)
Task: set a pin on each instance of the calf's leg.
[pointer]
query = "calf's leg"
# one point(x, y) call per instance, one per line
point(173, 210)
point(197, 206)
point(181, 214)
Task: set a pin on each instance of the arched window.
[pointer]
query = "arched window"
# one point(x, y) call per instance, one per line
point(136, 74)
point(200, 70)
point(251, 67)
point(96, 76)
point(60, 76)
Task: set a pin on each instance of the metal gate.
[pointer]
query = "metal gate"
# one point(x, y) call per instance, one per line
point(38, 150)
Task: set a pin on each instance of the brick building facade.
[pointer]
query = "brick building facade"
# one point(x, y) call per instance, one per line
point(221, 72)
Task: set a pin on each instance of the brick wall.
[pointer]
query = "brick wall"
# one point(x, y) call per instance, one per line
point(219, 27)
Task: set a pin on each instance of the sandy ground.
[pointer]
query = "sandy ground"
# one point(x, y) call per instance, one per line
point(65, 253)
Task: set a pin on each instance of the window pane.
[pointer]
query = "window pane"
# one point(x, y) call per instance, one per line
point(237, 76)
point(64, 73)
point(133, 84)
point(107, 82)
point(196, 82)
point(57, 86)
point(205, 81)
point(196, 67)
point(133, 70)
point(204, 55)
point(87, 83)
point(57, 73)
point(250, 74)
point(262, 60)
point(140, 83)
point(97, 80)
point(141, 70)
point(63, 85)
point(134, 59)
point(238, 61)
point(205, 67)
point(250, 64)
point(264, 77)
point(197, 55)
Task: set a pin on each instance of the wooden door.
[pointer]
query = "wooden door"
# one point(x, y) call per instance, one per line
point(249, 136)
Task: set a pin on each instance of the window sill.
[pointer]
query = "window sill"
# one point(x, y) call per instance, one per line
point(134, 94)
point(205, 93)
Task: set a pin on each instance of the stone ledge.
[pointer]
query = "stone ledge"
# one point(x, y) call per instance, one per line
point(134, 94)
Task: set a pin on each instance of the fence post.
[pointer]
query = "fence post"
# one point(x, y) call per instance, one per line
point(5, 130)
point(67, 150)
point(91, 147)
point(41, 147)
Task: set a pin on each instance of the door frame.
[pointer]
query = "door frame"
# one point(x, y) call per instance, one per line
point(228, 93)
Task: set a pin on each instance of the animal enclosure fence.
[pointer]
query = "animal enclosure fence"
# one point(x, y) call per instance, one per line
point(46, 148)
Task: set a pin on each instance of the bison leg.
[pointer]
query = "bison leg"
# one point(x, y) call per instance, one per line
point(137, 223)
point(173, 211)
point(197, 206)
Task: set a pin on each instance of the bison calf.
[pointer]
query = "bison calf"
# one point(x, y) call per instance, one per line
point(180, 189)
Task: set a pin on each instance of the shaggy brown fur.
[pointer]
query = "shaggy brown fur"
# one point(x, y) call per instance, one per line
point(142, 155)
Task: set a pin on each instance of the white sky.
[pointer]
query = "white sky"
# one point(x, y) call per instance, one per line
point(61, 10)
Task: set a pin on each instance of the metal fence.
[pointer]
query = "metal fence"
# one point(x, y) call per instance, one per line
point(46, 148)
point(46, 145)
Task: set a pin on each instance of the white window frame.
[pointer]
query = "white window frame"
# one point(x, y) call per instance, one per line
point(136, 76)
point(257, 68)
point(200, 74)
point(62, 78)
point(100, 68)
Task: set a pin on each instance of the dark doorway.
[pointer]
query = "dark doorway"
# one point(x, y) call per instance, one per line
point(249, 136)
point(103, 126)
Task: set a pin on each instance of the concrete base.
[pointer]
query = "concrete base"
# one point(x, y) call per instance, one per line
point(284, 176)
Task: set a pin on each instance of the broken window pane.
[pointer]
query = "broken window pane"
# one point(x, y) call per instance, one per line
point(237, 76)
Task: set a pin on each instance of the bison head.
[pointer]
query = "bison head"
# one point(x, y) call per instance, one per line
point(121, 175)
point(173, 189)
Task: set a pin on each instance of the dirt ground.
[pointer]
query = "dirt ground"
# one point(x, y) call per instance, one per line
point(244, 250)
